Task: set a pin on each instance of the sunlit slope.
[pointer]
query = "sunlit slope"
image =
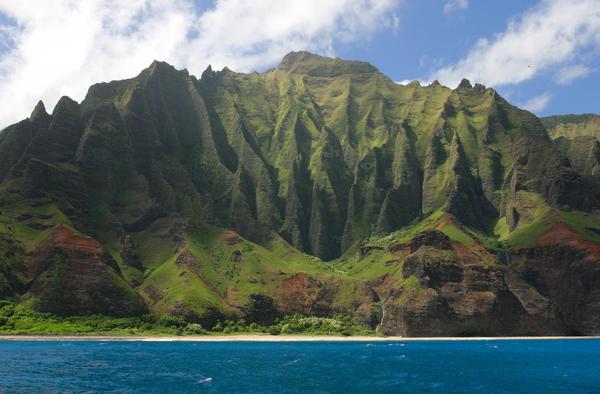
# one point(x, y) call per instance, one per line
point(578, 138)
point(197, 197)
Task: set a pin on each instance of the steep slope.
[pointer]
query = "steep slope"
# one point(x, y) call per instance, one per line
point(578, 138)
point(441, 278)
point(196, 196)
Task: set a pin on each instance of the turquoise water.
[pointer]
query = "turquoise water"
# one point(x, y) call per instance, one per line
point(514, 366)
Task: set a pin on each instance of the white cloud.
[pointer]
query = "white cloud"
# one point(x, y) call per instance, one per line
point(7, 35)
point(60, 47)
point(245, 34)
point(548, 35)
point(455, 5)
point(420, 81)
point(537, 103)
point(568, 74)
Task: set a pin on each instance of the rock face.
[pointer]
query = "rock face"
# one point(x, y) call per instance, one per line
point(550, 289)
point(578, 138)
point(69, 274)
point(316, 157)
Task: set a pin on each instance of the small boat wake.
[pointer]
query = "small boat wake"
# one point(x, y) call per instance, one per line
point(291, 362)
point(206, 380)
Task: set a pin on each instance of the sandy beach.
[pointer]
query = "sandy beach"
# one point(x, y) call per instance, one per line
point(263, 338)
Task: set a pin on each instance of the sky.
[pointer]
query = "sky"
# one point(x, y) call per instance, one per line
point(542, 55)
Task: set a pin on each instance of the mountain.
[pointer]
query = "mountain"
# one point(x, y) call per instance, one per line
point(578, 138)
point(318, 187)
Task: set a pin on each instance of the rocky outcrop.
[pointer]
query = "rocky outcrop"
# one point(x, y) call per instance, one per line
point(550, 289)
point(435, 239)
point(320, 296)
point(304, 294)
point(454, 293)
point(69, 274)
point(564, 268)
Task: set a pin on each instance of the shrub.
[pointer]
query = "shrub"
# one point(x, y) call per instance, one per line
point(229, 323)
point(172, 321)
point(285, 329)
point(194, 329)
point(274, 330)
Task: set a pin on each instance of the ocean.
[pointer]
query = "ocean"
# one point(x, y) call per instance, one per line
point(481, 366)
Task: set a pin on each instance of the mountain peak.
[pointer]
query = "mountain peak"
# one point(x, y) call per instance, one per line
point(65, 103)
point(295, 57)
point(39, 111)
point(160, 67)
point(465, 83)
point(303, 62)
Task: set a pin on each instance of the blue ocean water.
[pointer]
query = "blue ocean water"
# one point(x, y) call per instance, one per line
point(507, 366)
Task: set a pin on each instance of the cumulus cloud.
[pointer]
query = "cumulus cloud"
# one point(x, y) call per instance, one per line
point(60, 47)
point(537, 103)
point(568, 74)
point(245, 34)
point(548, 35)
point(455, 5)
point(408, 81)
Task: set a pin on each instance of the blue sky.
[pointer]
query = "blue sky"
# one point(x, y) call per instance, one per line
point(427, 37)
point(542, 55)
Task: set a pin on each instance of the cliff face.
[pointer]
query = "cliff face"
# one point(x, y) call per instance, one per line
point(578, 138)
point(315, 157)
point(69, 274)
point(450, 290)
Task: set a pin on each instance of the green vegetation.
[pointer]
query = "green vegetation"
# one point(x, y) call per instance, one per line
point(572, 126)
point(296, 190)
point(578, 138)
point(584, 223)
point(18, 320)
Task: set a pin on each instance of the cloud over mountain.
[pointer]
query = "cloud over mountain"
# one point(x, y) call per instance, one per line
point(60, 47)
point(555, 33)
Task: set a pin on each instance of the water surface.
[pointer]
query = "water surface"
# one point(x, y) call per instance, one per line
point(513, 366)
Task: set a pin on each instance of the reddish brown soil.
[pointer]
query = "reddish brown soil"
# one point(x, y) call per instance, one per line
point(64, 237)
point(463, 254)
point(153, 293)
point(73, 275)
point(297, 285)
point(72, 244)
point(561, 234)
point(231, 237)
point(297, 292)
point(445, 220)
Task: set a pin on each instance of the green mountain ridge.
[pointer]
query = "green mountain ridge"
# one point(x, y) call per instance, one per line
point(577, 137)
point(318, 187)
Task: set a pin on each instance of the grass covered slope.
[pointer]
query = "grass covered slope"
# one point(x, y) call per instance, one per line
point(578, 138)
point(572, 126)
point(319, 188)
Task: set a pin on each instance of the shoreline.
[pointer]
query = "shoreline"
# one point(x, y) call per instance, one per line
point(270, 338)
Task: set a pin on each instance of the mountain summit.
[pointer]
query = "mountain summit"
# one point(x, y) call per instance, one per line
point(306, 63)
point(320, 186)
